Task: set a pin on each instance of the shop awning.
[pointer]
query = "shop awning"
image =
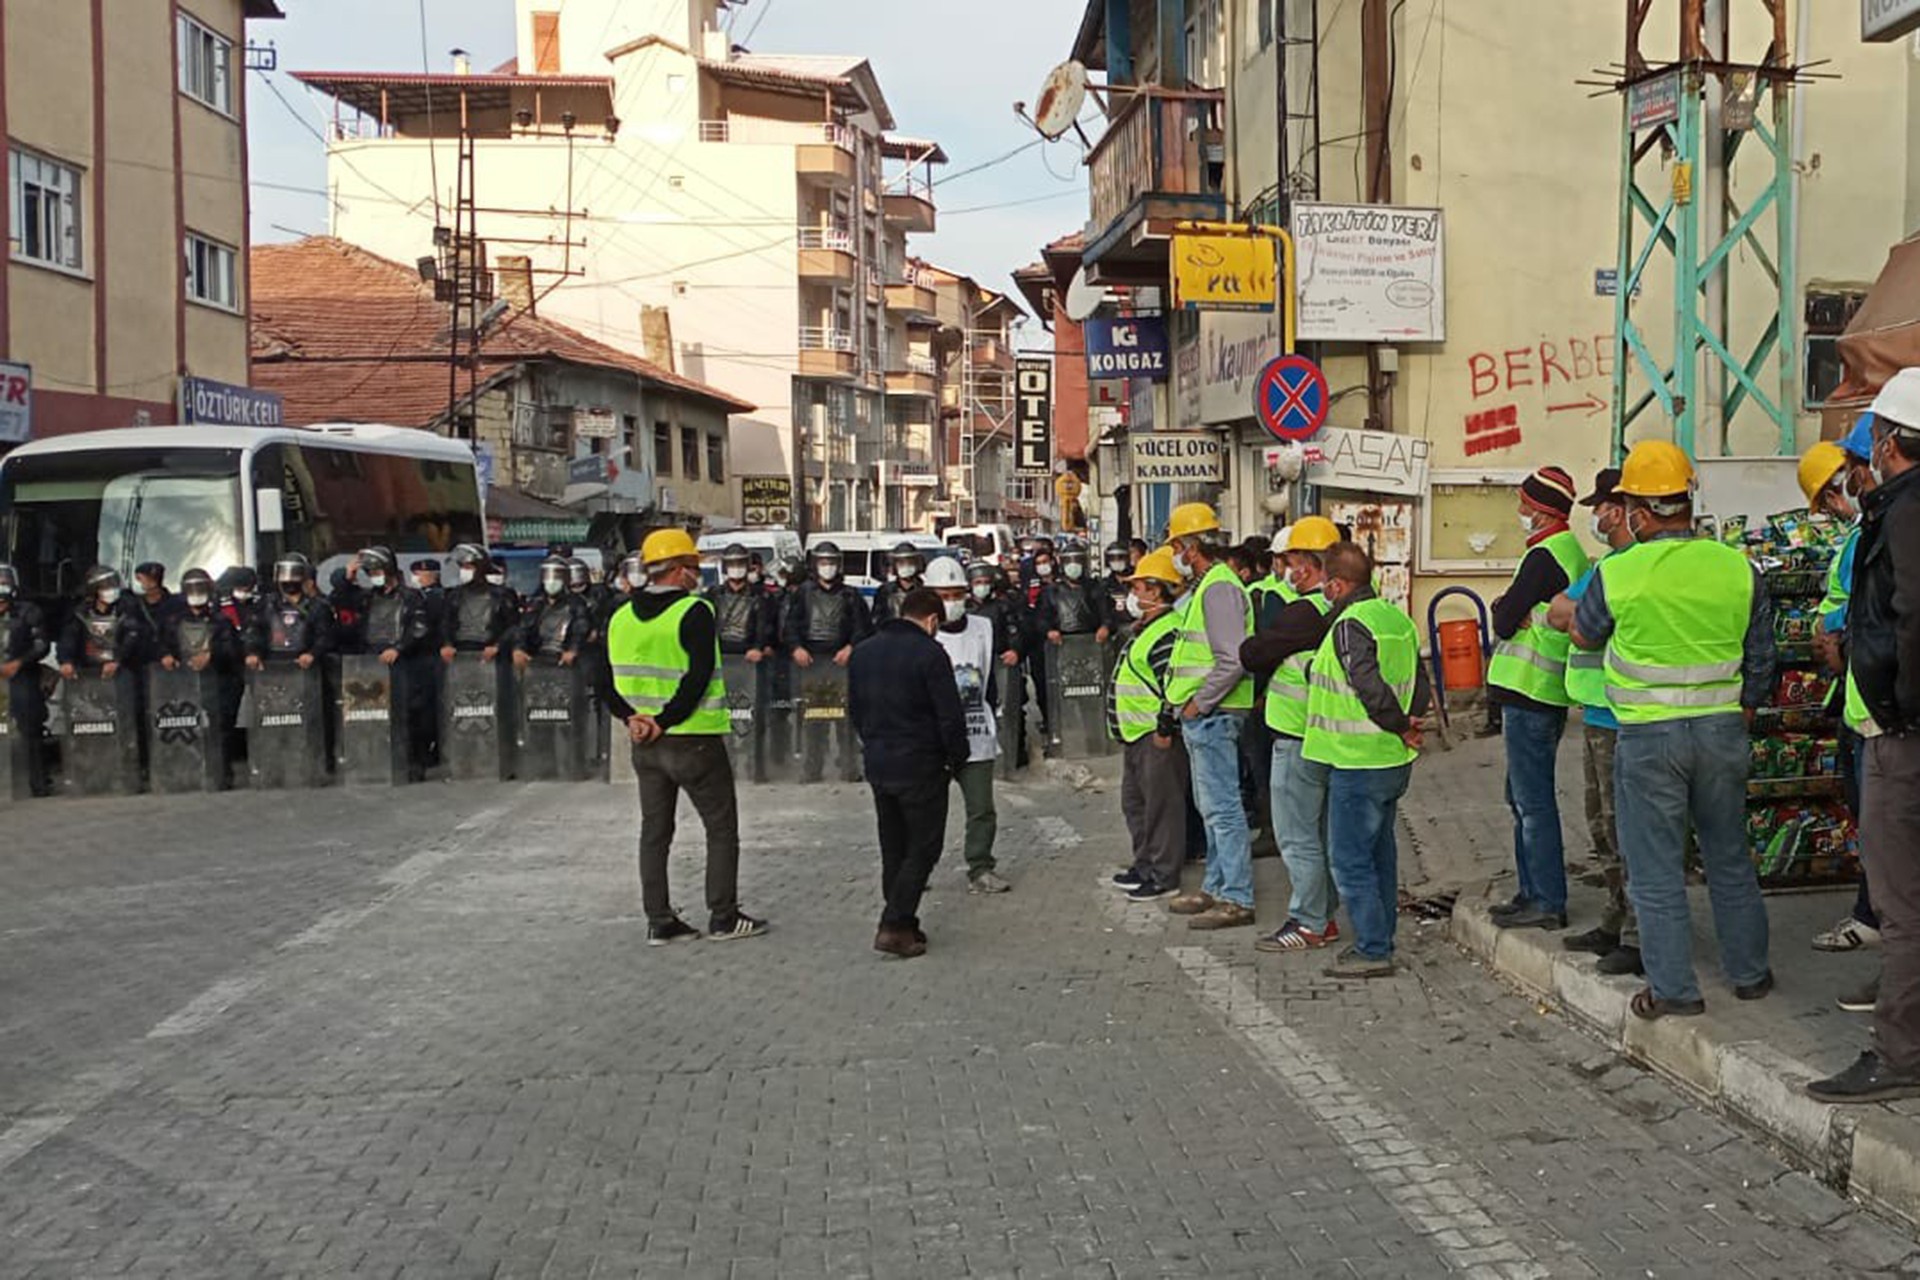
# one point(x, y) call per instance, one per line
point(1884, 336)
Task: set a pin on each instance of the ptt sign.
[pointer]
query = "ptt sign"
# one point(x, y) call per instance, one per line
point(16, 403)
point(1131, 348)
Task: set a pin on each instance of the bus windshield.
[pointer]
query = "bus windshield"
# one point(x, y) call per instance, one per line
point(60, 514)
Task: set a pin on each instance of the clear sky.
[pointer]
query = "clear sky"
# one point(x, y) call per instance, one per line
point(951, 70)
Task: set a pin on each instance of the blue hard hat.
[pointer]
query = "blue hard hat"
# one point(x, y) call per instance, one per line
point(1859, 441)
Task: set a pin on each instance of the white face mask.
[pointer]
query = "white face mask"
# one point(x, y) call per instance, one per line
point(736, 573)
point(496, 579)
point(377, 580)
point(1044, 568)
point(1074, 569)
point(1599, 532)
point(906, 572)
point(553, 586)
point(462, 576)
point(1181, 563)
point(956, 609)
point(753, 576)
point(637, 578)
point(110, 595)
point(1134, 608)
point(196, 600)
point(982, 590)
point(241, 595)
point(1526, 524)
point(828, 571)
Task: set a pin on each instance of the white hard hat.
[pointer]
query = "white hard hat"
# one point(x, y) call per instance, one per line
point(945, 571)
point(1280, 537)
point(1899, 400)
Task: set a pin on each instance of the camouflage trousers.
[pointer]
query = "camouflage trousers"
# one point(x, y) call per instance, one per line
point(1596, 754)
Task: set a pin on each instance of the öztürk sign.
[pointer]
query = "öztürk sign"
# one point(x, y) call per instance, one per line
point(1176, 457)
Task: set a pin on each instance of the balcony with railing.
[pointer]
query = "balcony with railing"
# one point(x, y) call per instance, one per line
point(912, 375)
point(1161, 161)
point(826, 353)
point(826, 255)
point(991, 354)
point(822, 152)
point(913, 296)
point(909, 202)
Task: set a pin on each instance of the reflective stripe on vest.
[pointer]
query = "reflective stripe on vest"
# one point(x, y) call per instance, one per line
point(1533, 663)
point(1681, 609)
point(1135, 692)
point(648, 665)
point(1287, 691)
point(1839, 589)
point(1587, 674)
point(1339, 731)
point(1192, 652)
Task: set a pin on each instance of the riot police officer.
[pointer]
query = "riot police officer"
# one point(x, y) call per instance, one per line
point(479, 617)
point(398, 628)
point(983, 599)
point(106, 632)
point(1114, 587)
point(293, 625)
point(198, 635)
point(737, 606)
point(157, 604)
point(825, 617)
point(908, 563)
point(555, 626)
point(24, 644)
point(237, 592)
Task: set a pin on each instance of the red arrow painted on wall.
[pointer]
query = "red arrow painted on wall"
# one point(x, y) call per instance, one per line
point(1590, 402)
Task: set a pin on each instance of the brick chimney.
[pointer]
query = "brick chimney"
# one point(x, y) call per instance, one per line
point(656, 337)
point(515, 275)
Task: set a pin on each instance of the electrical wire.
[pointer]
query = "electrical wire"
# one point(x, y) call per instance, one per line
point(433, 152)
point(747, 39)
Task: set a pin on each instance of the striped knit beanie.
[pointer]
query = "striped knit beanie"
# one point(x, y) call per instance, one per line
point(1550, 490)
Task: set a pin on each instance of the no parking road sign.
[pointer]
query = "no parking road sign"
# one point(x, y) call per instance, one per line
point(1291, 398)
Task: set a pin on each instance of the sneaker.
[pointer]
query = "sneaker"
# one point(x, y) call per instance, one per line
point(1148, 891)
point(1530, 917)
point(741, 925)
point(1191, 903)
point(1848, 935)
point(674, 930)
point(1129, 879)
point(1294, 936)
point(1351, 964)
point(1222, 915)
point(1861, 999)
point(1868, 1080)
point(987, 882)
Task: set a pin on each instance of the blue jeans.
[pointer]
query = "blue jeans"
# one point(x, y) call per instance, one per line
point(1300, 827)
point(1664, 775)
point(1213, 751)
point(1539, 852)
point(1362, 808)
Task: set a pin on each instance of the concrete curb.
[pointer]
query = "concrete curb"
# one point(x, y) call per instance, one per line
point(1869, 1153)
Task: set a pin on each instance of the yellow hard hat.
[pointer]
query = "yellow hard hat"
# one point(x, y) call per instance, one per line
point(1190, 518)
point(1156, 566)
point(1314, 533)
point(1656, 469)
point(667, 544)
point(1818, 466)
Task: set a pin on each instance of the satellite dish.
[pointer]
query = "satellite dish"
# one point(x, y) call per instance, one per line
point(1083, 299)
point(1061, 98)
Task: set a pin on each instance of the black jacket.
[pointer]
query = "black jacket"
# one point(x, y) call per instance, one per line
point(27, 641)
point(131, 647)
point(1883, 618)
point(905, 706)
point(697, 636)
point(1538, 580)
point(856, 622)
point(223, 642)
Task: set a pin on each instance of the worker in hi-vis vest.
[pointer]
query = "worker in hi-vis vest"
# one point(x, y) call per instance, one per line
point(662, 680)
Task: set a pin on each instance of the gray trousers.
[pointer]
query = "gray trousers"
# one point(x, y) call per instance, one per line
point(697, 764)
point(1890, 851)
point(1153, 798)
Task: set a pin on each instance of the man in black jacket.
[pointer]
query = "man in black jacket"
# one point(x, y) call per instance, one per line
point(913, 735)
point(1883, 630)
point(24, 644)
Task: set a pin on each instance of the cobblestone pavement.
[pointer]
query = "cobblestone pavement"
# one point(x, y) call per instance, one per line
point(379, 1034)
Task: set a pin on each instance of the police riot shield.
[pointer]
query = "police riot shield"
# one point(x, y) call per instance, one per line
point(287, 726)
point(189, 746)
point(477, 719)
point(14, 782)
point(778, 722)
point(103, 733)
point(1011, 684)
point(827, 747)
point(553, 723)
point(1079, 693)
point(743, 703)
point(373, 723)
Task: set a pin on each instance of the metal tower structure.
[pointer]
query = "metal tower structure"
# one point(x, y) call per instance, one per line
point(1707, 203)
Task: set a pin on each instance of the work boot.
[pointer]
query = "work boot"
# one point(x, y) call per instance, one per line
point(900, 941)
point(1869, 1079)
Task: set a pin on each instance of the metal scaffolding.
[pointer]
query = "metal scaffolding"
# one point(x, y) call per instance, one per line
point(1685, 125)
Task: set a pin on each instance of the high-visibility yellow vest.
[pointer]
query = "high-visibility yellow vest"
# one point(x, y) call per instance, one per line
point(1136, 693)
point(1193, 656)
point(649, 663)
point(1534, 662)
point(1339, 731)
point(1272, 584)
point(1287, 691)
point(1681, 608)
point(1586, 671)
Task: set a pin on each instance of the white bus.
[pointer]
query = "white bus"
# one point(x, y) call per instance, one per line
point(217, 497)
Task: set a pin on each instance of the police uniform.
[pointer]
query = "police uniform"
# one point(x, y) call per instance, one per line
point(23, 639)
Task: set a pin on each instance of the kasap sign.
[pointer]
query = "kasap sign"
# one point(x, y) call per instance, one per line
point(1132, 348)
point(222, 404)
point(1367, 461)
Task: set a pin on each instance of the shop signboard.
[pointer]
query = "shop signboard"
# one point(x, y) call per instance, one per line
point(1128, 347)
point(1177, 457)
point(1371, 273)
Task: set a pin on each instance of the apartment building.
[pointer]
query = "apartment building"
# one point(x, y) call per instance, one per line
point(761, 204)
point(971, 331)
point(126, 211)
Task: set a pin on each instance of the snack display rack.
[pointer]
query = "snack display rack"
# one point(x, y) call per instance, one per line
point(1799, 829)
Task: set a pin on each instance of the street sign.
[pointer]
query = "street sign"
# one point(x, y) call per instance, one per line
point(226, 405)
point(1884, 20)
point(1291, 398)
point(1655, 101)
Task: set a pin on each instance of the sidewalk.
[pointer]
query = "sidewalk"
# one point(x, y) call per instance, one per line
point(1747, 1060)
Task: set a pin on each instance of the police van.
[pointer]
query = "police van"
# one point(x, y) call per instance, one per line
point(865, 555)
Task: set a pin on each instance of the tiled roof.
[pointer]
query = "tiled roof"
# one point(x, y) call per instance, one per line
point(345, 335)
